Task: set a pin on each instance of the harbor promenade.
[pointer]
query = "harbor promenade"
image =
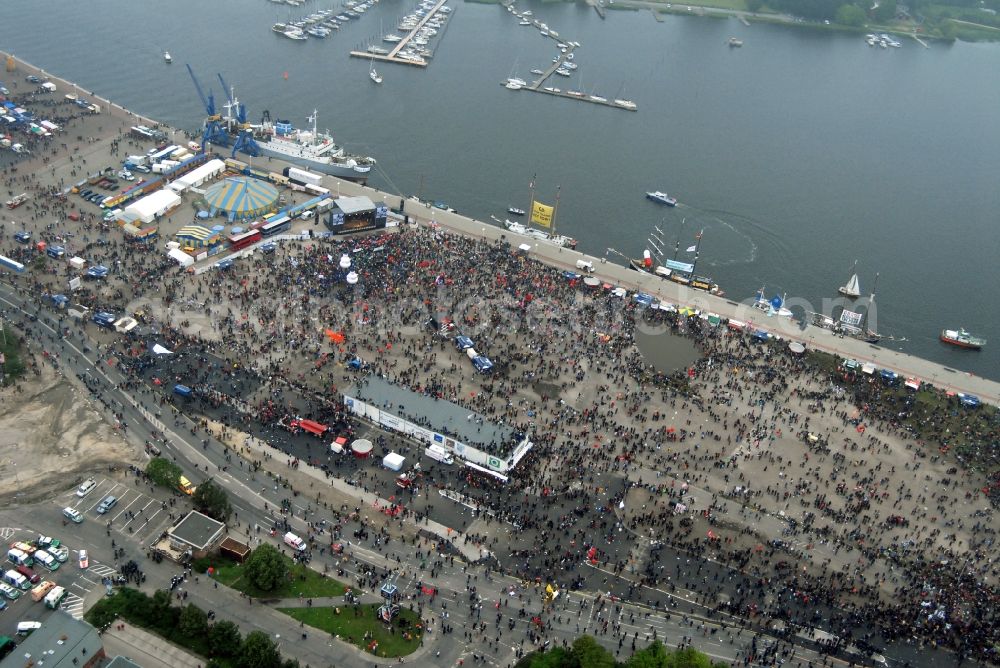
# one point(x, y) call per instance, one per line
point(815, 338)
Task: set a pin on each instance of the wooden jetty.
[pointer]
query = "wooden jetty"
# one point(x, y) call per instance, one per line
point(393, 55)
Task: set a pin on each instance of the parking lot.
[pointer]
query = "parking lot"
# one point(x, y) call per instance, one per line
point(138, 513)
point(136, 519)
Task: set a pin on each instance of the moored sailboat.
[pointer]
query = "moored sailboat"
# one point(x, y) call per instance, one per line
point(853, 287)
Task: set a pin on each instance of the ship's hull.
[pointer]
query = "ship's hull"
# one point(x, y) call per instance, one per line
point(341, 171)
point(968, 345)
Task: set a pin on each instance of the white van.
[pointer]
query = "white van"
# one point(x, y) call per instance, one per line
point(18, 557)
point(73, 515)
point(25, 628)
point(85, 489)
point(295, 542)
point(55, 597)
point(47, 560)
point(15, 579)
point(585, 265)
point(438, 453)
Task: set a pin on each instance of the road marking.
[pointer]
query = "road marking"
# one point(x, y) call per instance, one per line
point(73, 604)
point(102, 570)
point(7, 532)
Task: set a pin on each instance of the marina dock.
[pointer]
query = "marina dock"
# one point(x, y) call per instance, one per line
point(393, 55)
point(537, 86)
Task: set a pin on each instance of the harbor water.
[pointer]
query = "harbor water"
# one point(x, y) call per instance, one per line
point(796, 154)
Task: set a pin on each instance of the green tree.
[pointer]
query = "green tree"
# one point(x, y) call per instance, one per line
point(212, 500)
point(886, 11)
point(592, 655)
point(224, 638)
point(193, 621)
point(652, 656)
point(258, 651)
point(266, 568)
point(850, 15)
point(556, 657)
point(163, 472)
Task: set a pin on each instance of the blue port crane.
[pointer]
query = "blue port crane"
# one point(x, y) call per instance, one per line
point(236, 123)
point(214, 133)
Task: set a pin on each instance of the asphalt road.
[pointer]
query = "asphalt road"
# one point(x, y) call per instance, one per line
point(255, 499)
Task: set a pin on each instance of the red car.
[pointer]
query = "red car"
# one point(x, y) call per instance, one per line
point(32, 576)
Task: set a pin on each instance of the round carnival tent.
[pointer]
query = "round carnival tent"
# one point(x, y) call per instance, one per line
point(362, 448)
point(241, 198)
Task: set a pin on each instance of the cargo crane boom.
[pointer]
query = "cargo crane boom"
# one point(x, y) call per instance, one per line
point(214, 132)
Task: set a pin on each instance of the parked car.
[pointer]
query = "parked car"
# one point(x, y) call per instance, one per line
point(86, 488)
point(107, 504)
point(84, 560)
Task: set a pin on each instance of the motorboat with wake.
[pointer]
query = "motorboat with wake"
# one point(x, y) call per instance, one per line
point(660, 197)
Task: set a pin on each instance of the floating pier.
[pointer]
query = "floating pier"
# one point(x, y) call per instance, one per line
point(393, 55)
point(537, 87)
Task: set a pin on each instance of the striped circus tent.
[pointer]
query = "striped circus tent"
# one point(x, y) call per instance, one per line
point(242, 197)
point(197, 236)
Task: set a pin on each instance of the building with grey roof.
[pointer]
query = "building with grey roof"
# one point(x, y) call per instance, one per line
point(468, 435)
point(61, 642)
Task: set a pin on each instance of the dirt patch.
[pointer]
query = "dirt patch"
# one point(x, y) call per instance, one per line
point(51, 438)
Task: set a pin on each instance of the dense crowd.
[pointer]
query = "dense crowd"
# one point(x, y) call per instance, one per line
point(818, 494)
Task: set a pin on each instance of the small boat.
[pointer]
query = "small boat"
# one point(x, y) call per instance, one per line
point(598, 98)
point(962, 339)
point(392, 38)
point(295, 33)
point(279, 28)
point(735, 42)
point(625, 104)
point(524, 23)
point(657, 196)
point(773, 306)
point(515, 211)
point(166, 57)
point(378, 50)
point(537, 72)
point(513, 85)
point(853, 288)
point(375, 76)
point(563, 72)
point(568, 65)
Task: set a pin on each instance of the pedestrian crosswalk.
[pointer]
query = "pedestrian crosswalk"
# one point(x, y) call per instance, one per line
point(73, 605)
point(102, 570)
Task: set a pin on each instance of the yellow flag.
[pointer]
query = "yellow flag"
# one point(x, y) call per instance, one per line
point(541, 214)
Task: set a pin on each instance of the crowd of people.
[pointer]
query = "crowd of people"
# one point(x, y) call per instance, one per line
point(802, 491)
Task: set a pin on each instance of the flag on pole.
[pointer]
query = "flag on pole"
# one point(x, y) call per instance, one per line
point(698, 236)
point(531, 185)
point(541, 214)
point(691, 249)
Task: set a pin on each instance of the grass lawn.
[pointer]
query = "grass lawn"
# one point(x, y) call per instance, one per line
point(391, 642)
point(13, 365)
point(302, 581)
point(680, 6)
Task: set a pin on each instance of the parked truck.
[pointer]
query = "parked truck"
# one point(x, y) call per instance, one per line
point(302, 176)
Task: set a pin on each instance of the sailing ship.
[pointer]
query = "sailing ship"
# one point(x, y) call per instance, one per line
point(852, 288)
point(541, 235)
point(373, 75)
point(675, 270)
point(852, 323)
point(962, 339)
